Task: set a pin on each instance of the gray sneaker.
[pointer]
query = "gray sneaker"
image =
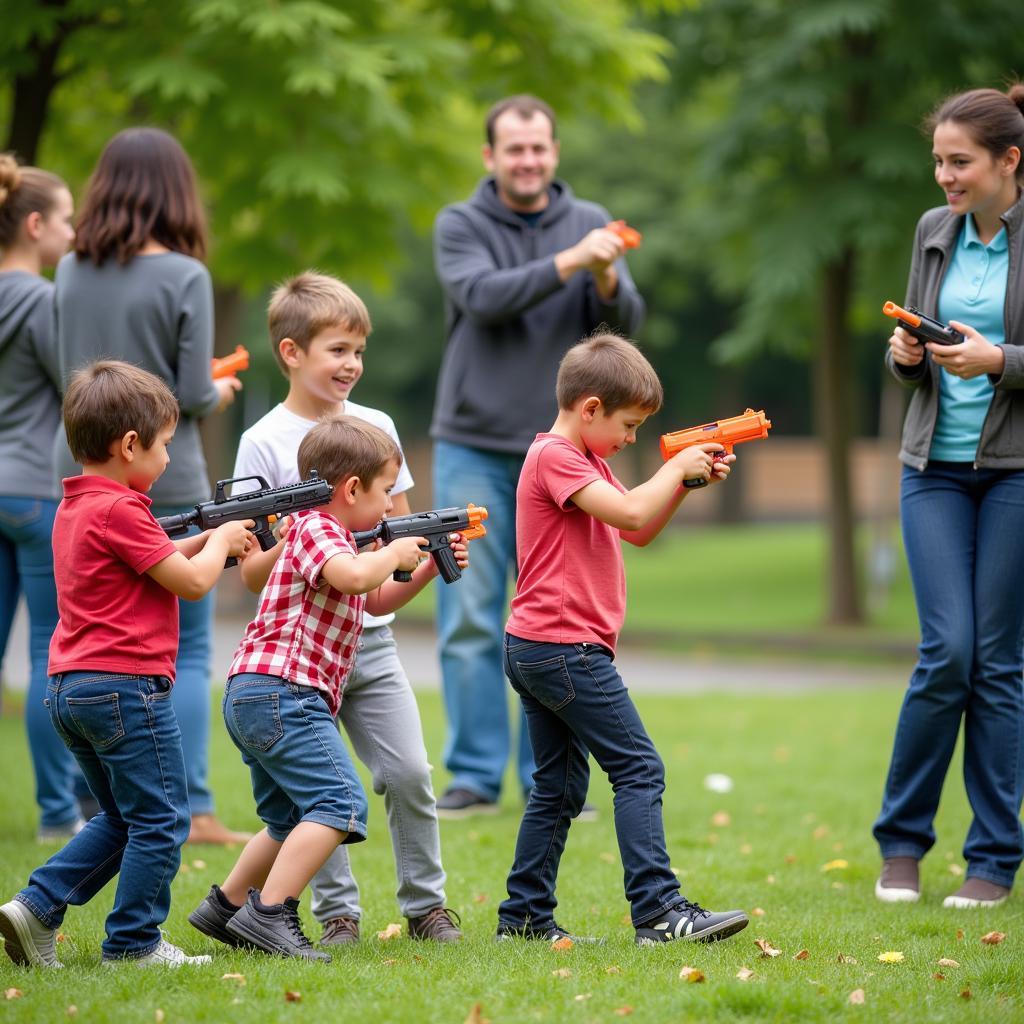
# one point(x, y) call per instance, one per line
point(212, 915)
point(27, 940)
point(900, 880)
point(274, 929)
point(166, 954)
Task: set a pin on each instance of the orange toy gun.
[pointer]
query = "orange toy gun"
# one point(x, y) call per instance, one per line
point(230, 365)
point(436, 527)
point(922, 327)
point(751, 426)
point(631, 238)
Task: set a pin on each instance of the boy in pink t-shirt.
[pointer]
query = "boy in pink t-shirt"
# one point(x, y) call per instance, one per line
point(570, 601)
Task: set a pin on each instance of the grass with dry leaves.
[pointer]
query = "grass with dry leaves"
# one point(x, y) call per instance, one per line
point(791, 844)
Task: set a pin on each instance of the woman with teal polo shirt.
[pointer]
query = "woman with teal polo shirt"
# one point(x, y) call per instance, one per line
point(962, 507)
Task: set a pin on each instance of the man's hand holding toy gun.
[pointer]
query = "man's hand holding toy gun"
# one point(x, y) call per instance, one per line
point(435, 528)
point(232, 365)
point(630, 237)
point(264, 506)
point(751, 426)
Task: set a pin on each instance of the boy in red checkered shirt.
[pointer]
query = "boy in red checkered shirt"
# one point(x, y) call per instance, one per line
point(284, 686)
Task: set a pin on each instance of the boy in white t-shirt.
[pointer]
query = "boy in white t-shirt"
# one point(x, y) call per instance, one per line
point(318, 330)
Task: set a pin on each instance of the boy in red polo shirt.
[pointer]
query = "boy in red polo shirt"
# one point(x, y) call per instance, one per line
point(112, 655)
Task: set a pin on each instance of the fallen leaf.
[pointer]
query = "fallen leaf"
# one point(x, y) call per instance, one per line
point(965, 994)
point(993, 938)
point(61, 937)
point(199, 865)
point(608, 858)
point(622, 1011)
point(72, 1010)
point(13, 993)
point(159, 1016)
point(744, 974)
point(946, 962)
point(614, 969)
point(746, 849)
point(802, 955)
point(480, 897)
point(721, 819)
point(712, 838)
point(857, 997)
point(581, 997)
point(844, 959)
point(390, 963)
point(757, 912)
point(476, 1015)
point(820, 832)
point(770, 879)
point(393, 931)
point(891, 956)
point(939, 977)
point(292, 997)
point(561, 945)
point(691, 974)
point(955, 869)
point(835, 865)
point(838, 885)
point(767, 949)
point(837, 846)
point(562, 972)
point(791, 858)
point(240, 978)
point(959, 934)
point(417, 958)
point(184, 868)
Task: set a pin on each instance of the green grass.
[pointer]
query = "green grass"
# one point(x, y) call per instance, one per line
point(808, 771)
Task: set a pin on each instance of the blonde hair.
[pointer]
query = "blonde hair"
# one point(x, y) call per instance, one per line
point(339, 447)
point(23, 190)
point(303, 306)
point(611, 368)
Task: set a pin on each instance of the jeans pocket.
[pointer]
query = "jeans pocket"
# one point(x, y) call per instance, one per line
point(257, 720)
point(97, 719)
point(549, 681)
point(159, 688)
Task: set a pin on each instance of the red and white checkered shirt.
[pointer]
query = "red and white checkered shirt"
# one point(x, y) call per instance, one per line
point(305, 631)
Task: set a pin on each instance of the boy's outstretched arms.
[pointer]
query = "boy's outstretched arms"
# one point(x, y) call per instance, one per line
point(192, 576)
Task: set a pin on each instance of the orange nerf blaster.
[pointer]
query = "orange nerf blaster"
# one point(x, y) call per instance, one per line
point(631, 238)
point(922, 327)
point(751, 426)
point(228, 366)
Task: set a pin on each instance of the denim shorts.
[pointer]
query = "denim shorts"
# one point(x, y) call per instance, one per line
point(300, 767)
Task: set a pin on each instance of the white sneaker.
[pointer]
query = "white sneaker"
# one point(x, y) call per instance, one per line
point(27, 940)
point(165, 955)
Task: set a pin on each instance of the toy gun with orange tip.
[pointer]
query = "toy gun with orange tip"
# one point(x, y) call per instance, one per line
point(922, 327)
point(229, 366)
point(265, 506)
point(751, 426)
point(631, 238)
point(436, 527)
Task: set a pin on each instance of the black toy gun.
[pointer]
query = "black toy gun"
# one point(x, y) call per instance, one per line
point(264, 506)
point(436, 526)
point(922, 327)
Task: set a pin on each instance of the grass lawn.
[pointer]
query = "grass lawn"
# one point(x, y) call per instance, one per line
point(808, 771)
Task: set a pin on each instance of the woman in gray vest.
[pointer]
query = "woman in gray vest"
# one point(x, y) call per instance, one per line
point(135, 288)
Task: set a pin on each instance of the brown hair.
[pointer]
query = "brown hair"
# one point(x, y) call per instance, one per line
point(525, 106)
point(342, 446)
point(106, 399)
point(309, 303)
point(994, 119)
point(143, 188)
point(611, 368)
point(23, 190)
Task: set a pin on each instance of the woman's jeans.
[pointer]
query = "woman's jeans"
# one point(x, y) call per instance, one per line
point(963, 530)
point(191, 694)
point(123, 732)
point(575, 702)
point(26, 567)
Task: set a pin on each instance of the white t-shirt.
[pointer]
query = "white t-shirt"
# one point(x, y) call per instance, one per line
point(269, 448)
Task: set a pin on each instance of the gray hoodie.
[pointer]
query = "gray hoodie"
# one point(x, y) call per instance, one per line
point(29, 400)
point(510, 319)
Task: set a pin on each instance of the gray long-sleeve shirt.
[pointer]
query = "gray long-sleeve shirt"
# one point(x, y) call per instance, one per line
point(29, 379)
point(510, 318)
point(155, 312)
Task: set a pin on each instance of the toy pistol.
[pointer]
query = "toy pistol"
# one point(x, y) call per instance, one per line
point(751, 426)
point(265, 506)
point(228, 366)
point(631, 238)
point(436, 527)
point(922, 327)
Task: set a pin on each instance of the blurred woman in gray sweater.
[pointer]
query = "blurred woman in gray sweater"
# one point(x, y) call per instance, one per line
point(136, 289)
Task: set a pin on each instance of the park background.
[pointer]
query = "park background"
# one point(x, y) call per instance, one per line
point(770, 152)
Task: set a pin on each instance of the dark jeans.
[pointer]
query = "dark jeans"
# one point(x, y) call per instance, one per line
point(575, 702)
point(124, 735)
point(963, 530)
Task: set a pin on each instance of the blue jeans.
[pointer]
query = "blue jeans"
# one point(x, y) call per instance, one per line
point(575, 702)
point(471, 621)
point(123, 733)
point(191, 694)
point(300, 767)
point(963, 530)
point(26, 566)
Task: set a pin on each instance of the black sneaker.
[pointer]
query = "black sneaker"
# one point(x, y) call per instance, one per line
point(687, 920)
point(211, 918)
point(274, 929)
point(545, 933)
point(464, 803)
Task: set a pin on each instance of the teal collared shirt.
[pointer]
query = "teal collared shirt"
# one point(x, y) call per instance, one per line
point(973, 292)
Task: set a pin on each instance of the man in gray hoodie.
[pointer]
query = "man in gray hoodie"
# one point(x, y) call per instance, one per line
point(527, 270)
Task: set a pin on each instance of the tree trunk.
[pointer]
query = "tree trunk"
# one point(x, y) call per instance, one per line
point(833, 405)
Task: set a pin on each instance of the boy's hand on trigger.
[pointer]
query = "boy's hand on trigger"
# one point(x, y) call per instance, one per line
point(408, 552)
point(238, 536)
point(721, 468)
point(460, 548)
point(696, 462)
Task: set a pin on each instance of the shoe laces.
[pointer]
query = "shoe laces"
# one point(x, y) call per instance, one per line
point(340, 926)
point(291, 919)
point(438, 918)
point(694, 910)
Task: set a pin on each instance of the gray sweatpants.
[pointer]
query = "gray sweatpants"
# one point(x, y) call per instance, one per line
point(380, 716)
